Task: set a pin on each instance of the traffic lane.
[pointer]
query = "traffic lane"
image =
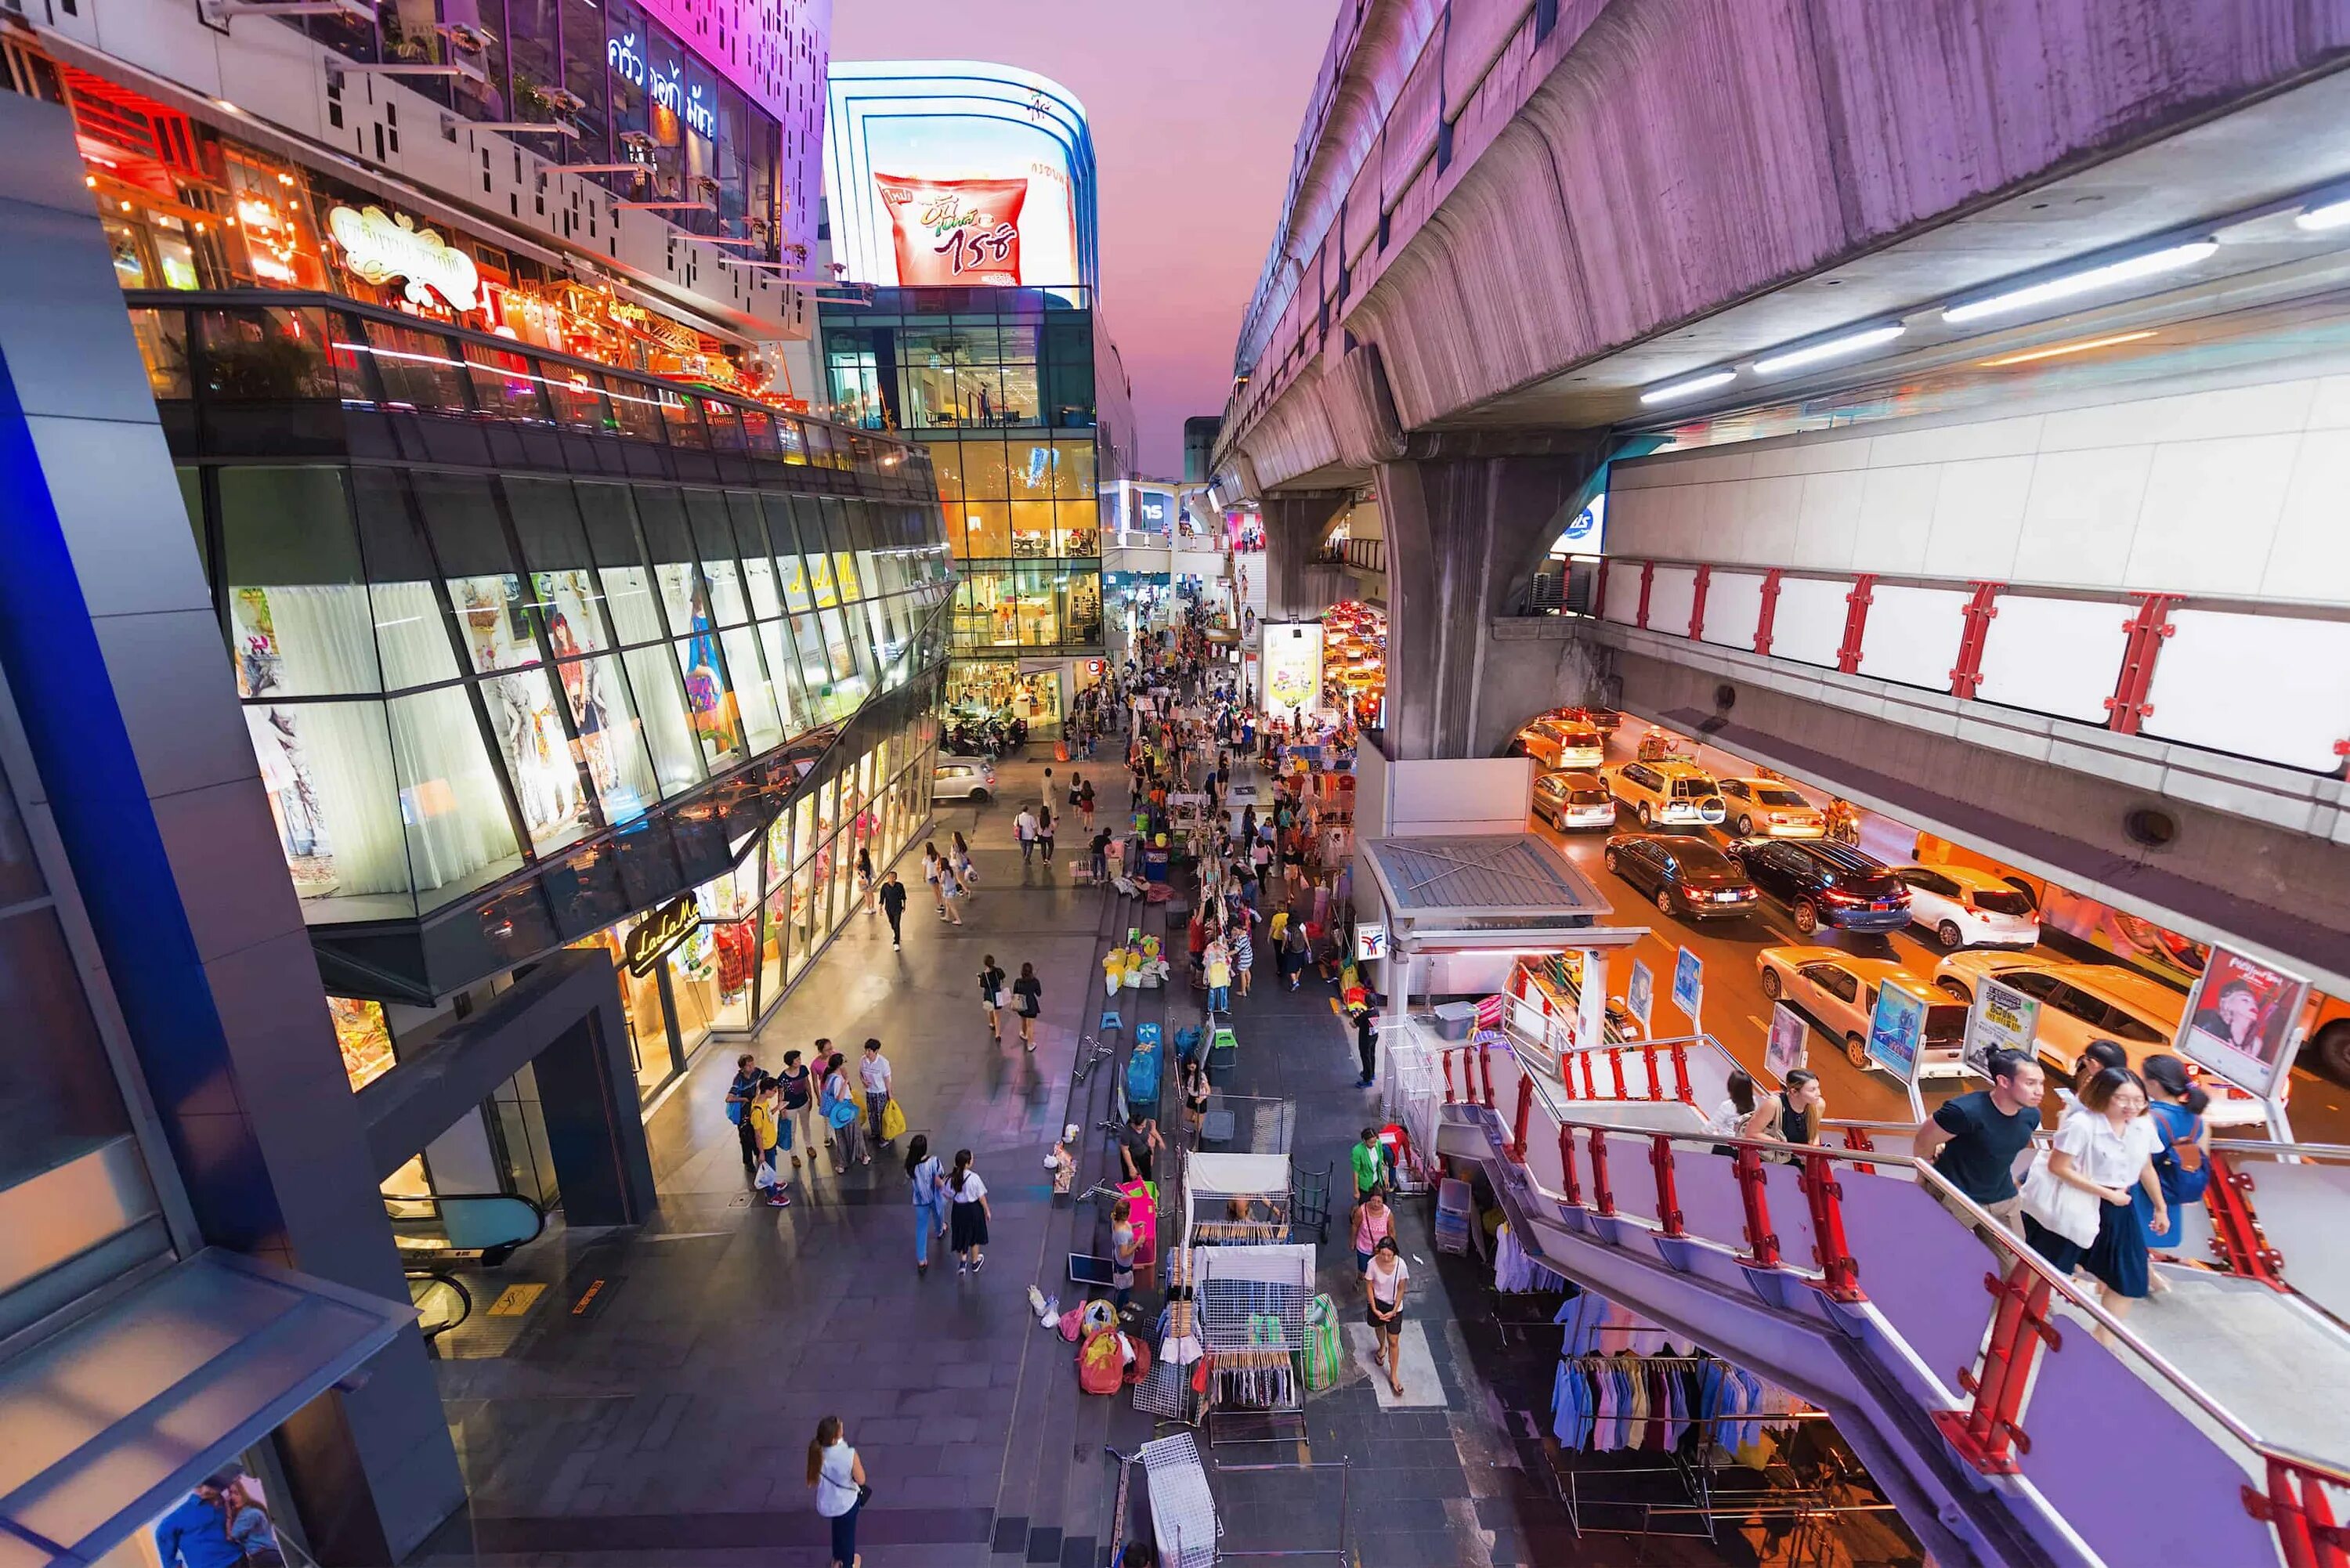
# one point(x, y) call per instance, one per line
point(1737, 1013)
point(2319, 1109)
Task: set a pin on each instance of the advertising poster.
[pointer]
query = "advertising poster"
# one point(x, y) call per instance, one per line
point(957, 173)
point(1292, 665)
point(1688, 976)
point(1640, 995)
point(1897, 1030)
point(2003, 1019)
point(2241, 1020)
point(1790, 1038)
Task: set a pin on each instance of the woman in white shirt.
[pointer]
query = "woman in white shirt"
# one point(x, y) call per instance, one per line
point(838, 1477)
point(1730, 1117)
point(1383, 1287)
point(2103, 1147)
point(967, 1220)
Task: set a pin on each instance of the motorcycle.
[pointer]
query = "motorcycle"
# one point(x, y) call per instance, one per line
point(1656, 745)
point(1844, 822)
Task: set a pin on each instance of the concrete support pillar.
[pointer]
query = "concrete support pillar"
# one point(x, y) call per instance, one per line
point(1296, 588)
point(1462, 531)
point(114, 656)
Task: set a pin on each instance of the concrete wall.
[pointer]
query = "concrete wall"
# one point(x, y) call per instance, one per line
point(2232, 490)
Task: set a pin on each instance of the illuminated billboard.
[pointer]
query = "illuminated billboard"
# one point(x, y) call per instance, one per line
point(956, 173)
point(1293, 666)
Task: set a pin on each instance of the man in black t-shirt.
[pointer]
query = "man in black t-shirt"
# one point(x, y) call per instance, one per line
point(1136, 1144)
point(1973, 1140)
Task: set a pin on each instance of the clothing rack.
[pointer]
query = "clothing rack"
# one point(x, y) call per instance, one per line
point(1238, 1232)
point(1250, 1317)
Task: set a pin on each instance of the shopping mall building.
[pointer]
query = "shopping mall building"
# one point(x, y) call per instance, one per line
point(992, 352)
point(425, 573)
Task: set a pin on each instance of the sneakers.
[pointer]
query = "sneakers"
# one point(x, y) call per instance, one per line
point(979, 1262)
point(964, 1267)
point(1364, 1083)
point(921, 1267)
point(779, 1199)
point(896, 947)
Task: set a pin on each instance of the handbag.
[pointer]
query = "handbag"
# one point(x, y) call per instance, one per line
point(2057, 1205)
point(893, 1121)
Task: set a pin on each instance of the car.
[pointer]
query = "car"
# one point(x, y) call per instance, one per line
point(1568, 799)
point(1966, 908)
point(1839, 991)
point(1606, 721)
point(963, 778)
point(1560, 744)
point(1825, 884)
point(1770, 808)
point(1685, 876)
point(1670, 793)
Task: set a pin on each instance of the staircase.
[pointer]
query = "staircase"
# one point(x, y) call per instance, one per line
point(2012, 1421)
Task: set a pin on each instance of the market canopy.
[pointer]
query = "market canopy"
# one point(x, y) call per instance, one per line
point(1487, 890)
point(110, 1423)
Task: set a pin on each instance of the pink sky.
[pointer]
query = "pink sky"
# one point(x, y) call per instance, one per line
point(1195, 107)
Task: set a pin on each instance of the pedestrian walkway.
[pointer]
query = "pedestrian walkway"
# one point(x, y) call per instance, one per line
point(653, 1403)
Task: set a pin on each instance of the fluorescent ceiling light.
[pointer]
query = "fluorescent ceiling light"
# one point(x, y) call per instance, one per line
point(1834, 348)
point(2332, 216)
point(2062, 349)
point(2150, 264)
point(1689, 386)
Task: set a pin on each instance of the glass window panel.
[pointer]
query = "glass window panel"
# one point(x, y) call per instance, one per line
point(536, 755)
point(820, 583)
point(634, 409)
point(684, 416)
point(1031, 529)
point(844, 574)
point(792, 436)
point(327, 768)
point(609, 515)
point(300, 621)
point(1020, 394)
point(547, 519)
point(816, 669)
point(662, 513)
point(709, 701)
point(459, 835)
point(986, 470)
point(611, 742)
point(758, 431)
point(505, 384)
point(1032, 470)
point(412, 632)
point(946, 464)
point(272, 356)
point(759, 583)
point(1072, 470)
point(660, 705)
point(585, 65)
point(982, 530)
point(579, 400)
point(417, 368)
point(1079, 525)
point(755, 697)
point(1081, 612)
point(725, 425)
point(716, 538)
point(774, 640)
point(782, 528)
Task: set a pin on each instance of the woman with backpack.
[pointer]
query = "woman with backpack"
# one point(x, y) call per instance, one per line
point(967, 1220)
point(844, 1116)
point(922, 1170)
point(2182, 1165)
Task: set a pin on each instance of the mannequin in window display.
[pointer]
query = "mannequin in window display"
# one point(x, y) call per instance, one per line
point(522, 712)
point(293, 802)
point(705, 691)
point(583, 688)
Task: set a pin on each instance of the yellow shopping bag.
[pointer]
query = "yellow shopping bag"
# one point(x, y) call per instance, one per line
point(893, 1121)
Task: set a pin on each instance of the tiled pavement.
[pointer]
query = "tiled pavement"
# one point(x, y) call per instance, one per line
point(667, 1421)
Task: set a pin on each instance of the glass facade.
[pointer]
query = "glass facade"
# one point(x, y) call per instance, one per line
point(544, 700)
point(999, 384)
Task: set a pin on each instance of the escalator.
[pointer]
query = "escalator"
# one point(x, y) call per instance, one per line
point(484, 1228)
point(2011, 1419)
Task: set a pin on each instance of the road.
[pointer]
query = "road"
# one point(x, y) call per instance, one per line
point(1738, 1014)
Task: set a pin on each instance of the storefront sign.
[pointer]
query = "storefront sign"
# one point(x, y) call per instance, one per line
point(1370, 942)
point(659, 932)
point(2242, 1022)
point(1790, 1039)
point(1897, 1030)
point(2003, 1019)
point(380, 246)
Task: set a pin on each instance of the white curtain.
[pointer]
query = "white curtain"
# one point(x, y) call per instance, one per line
point(455, 812)
point(414, 639)
point(320, 640)
point(327, 769)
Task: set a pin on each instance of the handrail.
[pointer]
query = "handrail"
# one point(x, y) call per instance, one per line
point(2042, 1273)
point(2323, 1151)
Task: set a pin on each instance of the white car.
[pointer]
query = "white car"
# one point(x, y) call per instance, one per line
point(1839, 991)
point(1570, 800)
point(1771, 809)
point(963, 778)
point(1966, 908)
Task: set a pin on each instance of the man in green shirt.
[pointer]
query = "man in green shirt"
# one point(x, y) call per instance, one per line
point(1370, 1166)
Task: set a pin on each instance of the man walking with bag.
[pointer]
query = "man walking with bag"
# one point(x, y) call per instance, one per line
point(874, 1073)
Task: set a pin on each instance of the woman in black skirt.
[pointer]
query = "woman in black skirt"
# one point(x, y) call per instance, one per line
point(967, 1222)
point(2105, 1146)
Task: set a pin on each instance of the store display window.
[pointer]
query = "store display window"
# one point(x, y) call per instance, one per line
point(365, 1038)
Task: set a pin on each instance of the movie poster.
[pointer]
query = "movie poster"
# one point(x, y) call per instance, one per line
point(2241, 1020)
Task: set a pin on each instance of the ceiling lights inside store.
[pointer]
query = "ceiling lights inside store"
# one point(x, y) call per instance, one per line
point(1689, 387)
point(1850, 343)
point(2068, 285)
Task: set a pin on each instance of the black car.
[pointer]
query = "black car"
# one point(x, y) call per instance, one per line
point(1827, 884)
point(1685, 876)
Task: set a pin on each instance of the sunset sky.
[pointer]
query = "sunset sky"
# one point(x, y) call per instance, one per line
point(1195, 109)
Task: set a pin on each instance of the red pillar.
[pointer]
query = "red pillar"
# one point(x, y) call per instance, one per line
point(1768, 613)
point(1966, 676)
point(2127, 707)
point(1697, 603)
point(1648, 581)
point(1856, 622)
